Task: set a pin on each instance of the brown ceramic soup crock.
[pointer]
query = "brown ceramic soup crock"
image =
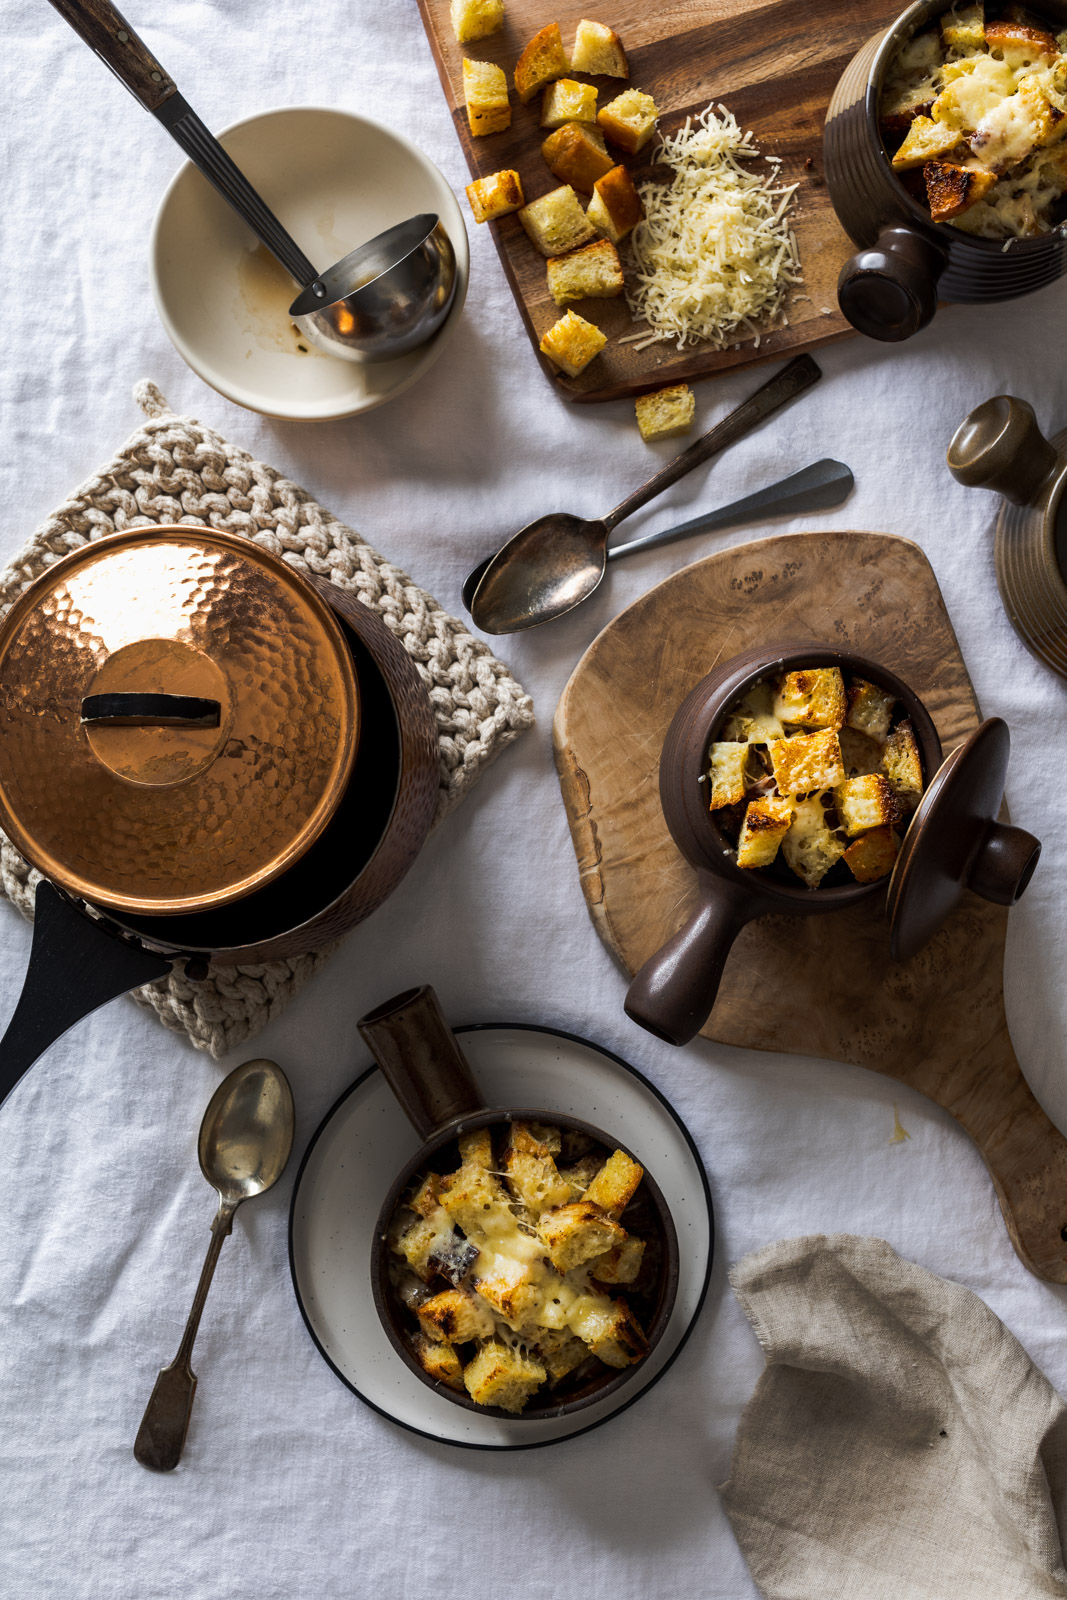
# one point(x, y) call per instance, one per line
point(421, 1060)
point(1001, 447)
point(905, 263)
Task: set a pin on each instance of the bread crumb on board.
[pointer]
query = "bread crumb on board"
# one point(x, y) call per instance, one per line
point(665, 413)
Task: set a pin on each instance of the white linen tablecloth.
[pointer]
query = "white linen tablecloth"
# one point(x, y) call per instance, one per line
point(290, 1487)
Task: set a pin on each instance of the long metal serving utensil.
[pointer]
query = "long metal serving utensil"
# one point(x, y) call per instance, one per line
point(555, 562)
point(824, 484)
point(377, 303)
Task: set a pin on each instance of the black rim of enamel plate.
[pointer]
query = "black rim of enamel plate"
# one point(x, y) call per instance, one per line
point(624, 1405)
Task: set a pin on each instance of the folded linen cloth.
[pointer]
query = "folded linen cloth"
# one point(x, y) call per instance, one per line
point(173, 469)
point(900, 1445)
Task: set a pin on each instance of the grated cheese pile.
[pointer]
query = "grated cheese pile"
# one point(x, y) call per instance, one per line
point(715, 255)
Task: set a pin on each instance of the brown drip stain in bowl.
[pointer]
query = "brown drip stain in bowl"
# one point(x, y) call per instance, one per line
point(267, 292)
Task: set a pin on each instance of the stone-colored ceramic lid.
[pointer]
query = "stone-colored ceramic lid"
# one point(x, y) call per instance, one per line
point(178, 719)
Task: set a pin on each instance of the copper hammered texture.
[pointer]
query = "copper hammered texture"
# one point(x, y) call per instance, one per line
point(163, 819)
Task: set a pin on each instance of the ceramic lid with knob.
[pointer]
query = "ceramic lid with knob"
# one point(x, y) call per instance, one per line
point(955, 843)
point(179, 716)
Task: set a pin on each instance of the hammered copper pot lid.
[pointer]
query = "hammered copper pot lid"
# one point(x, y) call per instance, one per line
point(229, 719)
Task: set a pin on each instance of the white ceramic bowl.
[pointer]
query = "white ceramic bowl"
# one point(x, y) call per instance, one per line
point(334, 180)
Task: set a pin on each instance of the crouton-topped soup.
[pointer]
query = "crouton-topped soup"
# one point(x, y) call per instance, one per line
point(527, 1266)
point(813, 775)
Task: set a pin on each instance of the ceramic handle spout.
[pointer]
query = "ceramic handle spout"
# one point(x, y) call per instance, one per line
point(1001, 447)
point(889, 292)
point(421, 1060)
point(673, 993)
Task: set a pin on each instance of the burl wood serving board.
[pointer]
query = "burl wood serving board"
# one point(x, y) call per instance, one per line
point(774, 63)
point(818, 986)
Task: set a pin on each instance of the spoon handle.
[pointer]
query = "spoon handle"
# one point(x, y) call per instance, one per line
point(793, 379)
point(161, 1436)
point(107, 33)
point(816, 488)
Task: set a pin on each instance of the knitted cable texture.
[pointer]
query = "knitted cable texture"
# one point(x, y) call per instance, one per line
point(173, 469)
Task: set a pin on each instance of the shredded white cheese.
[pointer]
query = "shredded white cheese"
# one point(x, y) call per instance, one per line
point(715, 253)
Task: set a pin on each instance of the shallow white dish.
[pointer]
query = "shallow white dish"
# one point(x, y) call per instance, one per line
point(335, 180)
point(363, 1142)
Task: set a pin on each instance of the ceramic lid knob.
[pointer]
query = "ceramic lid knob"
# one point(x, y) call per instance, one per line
point(1001, 447)
point(955, 843)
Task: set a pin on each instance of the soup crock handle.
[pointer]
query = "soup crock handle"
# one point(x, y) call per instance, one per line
point(673, 993)
point(1001, 447)
point(421, 1060)
point(889, 292)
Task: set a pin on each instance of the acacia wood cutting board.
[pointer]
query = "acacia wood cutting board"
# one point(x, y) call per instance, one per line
point(817, 985)
point(774, 63)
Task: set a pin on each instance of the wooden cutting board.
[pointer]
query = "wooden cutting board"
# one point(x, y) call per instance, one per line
point(818, 986)
point(774, 63)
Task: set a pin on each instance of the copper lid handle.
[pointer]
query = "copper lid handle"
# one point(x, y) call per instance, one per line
point(164, 710)
point(1001, 447)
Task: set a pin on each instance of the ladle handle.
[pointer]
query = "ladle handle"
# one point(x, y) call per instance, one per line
point(161, 1436)
point(107, 33)
point(421, 1060)
point(793, 379)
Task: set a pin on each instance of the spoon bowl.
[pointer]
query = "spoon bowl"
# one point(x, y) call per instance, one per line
point(247, 1132)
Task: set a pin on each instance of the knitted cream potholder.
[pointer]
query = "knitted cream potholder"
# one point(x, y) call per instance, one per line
point(173, 469)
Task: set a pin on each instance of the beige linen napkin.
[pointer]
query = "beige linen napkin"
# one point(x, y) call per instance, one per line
point(901, 1445)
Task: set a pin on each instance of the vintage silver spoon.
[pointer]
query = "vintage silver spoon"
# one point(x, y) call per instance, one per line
point(824, 484)
point(379, 302)
point(556, 561)
point(244, 1144)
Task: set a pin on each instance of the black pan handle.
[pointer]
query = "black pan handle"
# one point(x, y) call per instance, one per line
point(167, 710)
point(75, 966)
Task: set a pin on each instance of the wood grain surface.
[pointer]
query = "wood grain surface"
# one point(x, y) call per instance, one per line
point(774, 63)
point(818, 986)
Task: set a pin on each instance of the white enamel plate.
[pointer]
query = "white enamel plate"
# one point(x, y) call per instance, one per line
point(359, 1149)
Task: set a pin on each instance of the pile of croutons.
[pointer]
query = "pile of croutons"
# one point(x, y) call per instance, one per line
point(506, 1267)
point(579, 242)
point(822, 769)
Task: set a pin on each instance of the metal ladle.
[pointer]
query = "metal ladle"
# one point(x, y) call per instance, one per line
point(244, 1144)
point(379, 302)
point(556, 561)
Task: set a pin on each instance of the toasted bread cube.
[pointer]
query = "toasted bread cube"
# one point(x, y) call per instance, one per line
point(1020, 45)
point(470, 1195)
point(864, 803)
point(621, 1263)
point(476, 1147)
point(665, 413)
point(508, 1287)
point(860, 754)
point(896, 113)
point(598, 50)
point(765, 825)
point(614, 1335)
point(963, 29)
point(629, 120)
point(485, 90)
point(811, 847)
point(559, 1351)
point(495, 195)
point(572, 343)
point(580, 1174)
point(615, 207)
point(812, 698)
point(872, 855)
point(577, 1232)
point(454, 1317)
point(903, 765)
point(1017, 126)
point(615, 1184)
point(728, 762)
point(972, 88)
point(530, 1171)
point(567, 101)
point(920, 56)
point(541, 61)
point(416, 1243)
point(951, 189)
point(592, 273)
point(556, 223)
point(501, 1376)
point(475, 19)
point(926, 140)
point(439, 1360)
point(753, 719)
point(577, 154)
point(426, 1199)
point(869, 708)
point(807, 762)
